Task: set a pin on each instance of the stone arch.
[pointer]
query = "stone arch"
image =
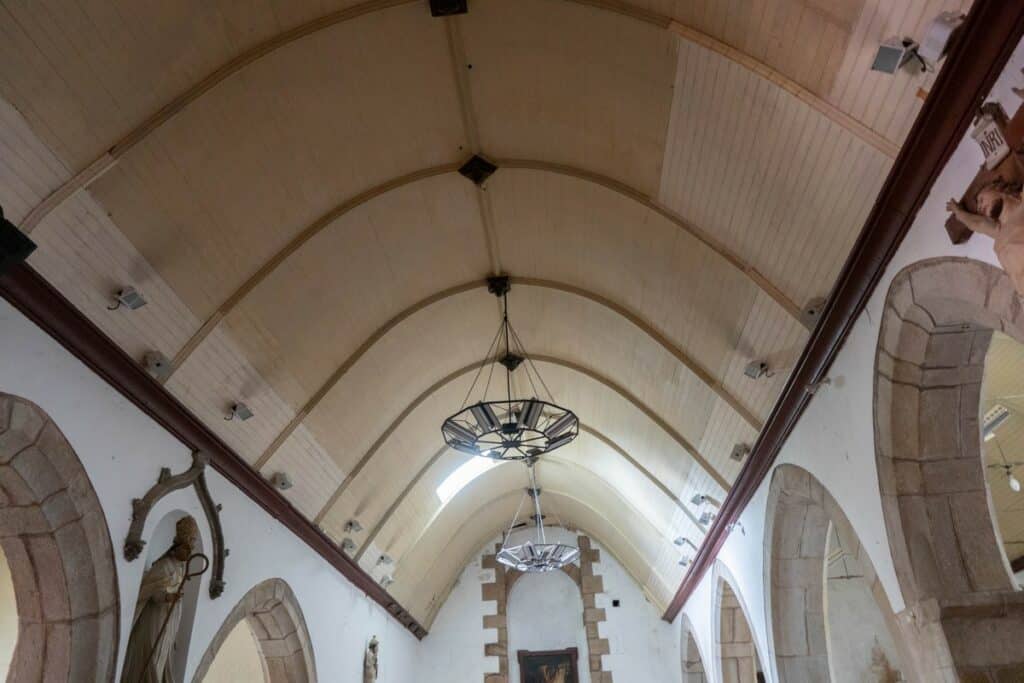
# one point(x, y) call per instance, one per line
point(693, 661)
point(739, 659)
point(273, 613)
point(952, 569)
point(590, 586)
point(800, 515)
point(54, 535)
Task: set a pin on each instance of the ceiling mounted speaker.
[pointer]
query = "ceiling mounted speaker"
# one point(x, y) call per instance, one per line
point(15, 246)
point(477, 169)
point(446, 8)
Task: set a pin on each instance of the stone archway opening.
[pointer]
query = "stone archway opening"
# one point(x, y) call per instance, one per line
point(271, 612)
point(54, 537)
point(693, 663)
point(963, 617)
point(739, 660)
point(829, 614)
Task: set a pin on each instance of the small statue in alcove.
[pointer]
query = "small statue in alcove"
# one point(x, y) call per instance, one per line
point(370, 661)
point(149, 658)
point(1001, 217)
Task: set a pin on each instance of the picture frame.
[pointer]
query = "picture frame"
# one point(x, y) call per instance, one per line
point(548, 666)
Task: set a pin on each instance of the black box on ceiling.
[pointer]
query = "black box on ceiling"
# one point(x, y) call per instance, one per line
point(15, 246)
point(446, 8)
point(477, 169)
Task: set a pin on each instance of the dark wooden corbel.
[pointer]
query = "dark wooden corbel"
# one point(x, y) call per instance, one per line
point(195, 477)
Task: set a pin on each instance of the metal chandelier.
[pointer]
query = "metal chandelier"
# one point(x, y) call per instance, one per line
point(509, 428)
point(539, 556)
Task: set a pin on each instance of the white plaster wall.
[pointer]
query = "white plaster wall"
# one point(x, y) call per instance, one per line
point(122, 450)
point(834, 440)
point(643, 647)
point(545, 612)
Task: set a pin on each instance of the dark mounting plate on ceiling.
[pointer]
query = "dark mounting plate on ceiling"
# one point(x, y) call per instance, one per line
point(477, 169)
point(446, 8)
point(511, 361)
point(499, 285)
point(15, 246)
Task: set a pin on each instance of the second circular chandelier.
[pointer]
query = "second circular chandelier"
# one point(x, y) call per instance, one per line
point(512, 428)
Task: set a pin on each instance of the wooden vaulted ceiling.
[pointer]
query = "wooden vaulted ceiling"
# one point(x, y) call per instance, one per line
point(677, 179)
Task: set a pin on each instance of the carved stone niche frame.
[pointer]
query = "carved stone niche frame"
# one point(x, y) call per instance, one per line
point(195, 477)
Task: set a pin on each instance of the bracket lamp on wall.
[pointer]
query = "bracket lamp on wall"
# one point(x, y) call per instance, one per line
point(281, 481)
point(239, 411)
point(701, 498)
point(739, 452)
point(757, 369)
point(347, 546)
point(385, 560)
point(387, 580)
point(128, 297)
point(353, 526)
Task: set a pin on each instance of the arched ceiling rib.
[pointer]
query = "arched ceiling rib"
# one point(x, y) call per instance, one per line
point(236, 298)
point(397, 502)
point(84, 178)
point(639, 546)
point(447, 379)
point(714, 384)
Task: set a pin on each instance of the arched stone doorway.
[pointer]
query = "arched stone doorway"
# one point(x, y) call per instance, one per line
point(273, 614)
point(963, 619)
point(815, 558)
point(693, 663)
point(54, 536)
point(738, 658)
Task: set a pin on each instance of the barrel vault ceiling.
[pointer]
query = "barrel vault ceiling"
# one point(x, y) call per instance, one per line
point(676, 181)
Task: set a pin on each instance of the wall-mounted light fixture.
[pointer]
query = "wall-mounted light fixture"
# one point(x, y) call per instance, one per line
point(128, 297)
point(387, 580)
point(739, 452)
point(385, 560)
point(757, 369)
point(347, 546)
point(353, 526)
point(239, 411)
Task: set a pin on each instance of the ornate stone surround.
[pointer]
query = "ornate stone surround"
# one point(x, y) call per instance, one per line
point(590, 586)
point(54, 536)
point(964, 618)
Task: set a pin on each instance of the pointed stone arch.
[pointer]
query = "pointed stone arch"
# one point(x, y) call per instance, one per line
point(736, 650)
point(273, 613)
point(693, 660)
point(55, 537)
point(800, 515)
point(964, 618)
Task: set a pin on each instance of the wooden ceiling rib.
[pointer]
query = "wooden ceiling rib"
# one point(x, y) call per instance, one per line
point(714, 384)
point(447, 379)
point(105, 161)
point(385, 518)
point(302, 238)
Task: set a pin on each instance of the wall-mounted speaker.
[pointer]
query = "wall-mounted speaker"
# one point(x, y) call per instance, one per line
point(15, 246)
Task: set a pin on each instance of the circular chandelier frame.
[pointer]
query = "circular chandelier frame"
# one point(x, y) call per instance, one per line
point(510, 428)
point(540, 556)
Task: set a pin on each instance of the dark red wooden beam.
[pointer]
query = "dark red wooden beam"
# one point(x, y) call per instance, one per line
point(27, 291)
point(986, 41)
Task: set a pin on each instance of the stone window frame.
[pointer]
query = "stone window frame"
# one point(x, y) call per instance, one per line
point(964, 616)
point(272, 611)
point(800, 512)
point(55, 537)
point(590, 586)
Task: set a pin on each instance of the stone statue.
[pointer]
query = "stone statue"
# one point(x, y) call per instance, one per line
point(150, 653)
point(1001, 217)
point(370, 661)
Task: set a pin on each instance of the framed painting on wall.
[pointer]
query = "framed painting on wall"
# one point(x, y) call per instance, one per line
point(548, 666)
